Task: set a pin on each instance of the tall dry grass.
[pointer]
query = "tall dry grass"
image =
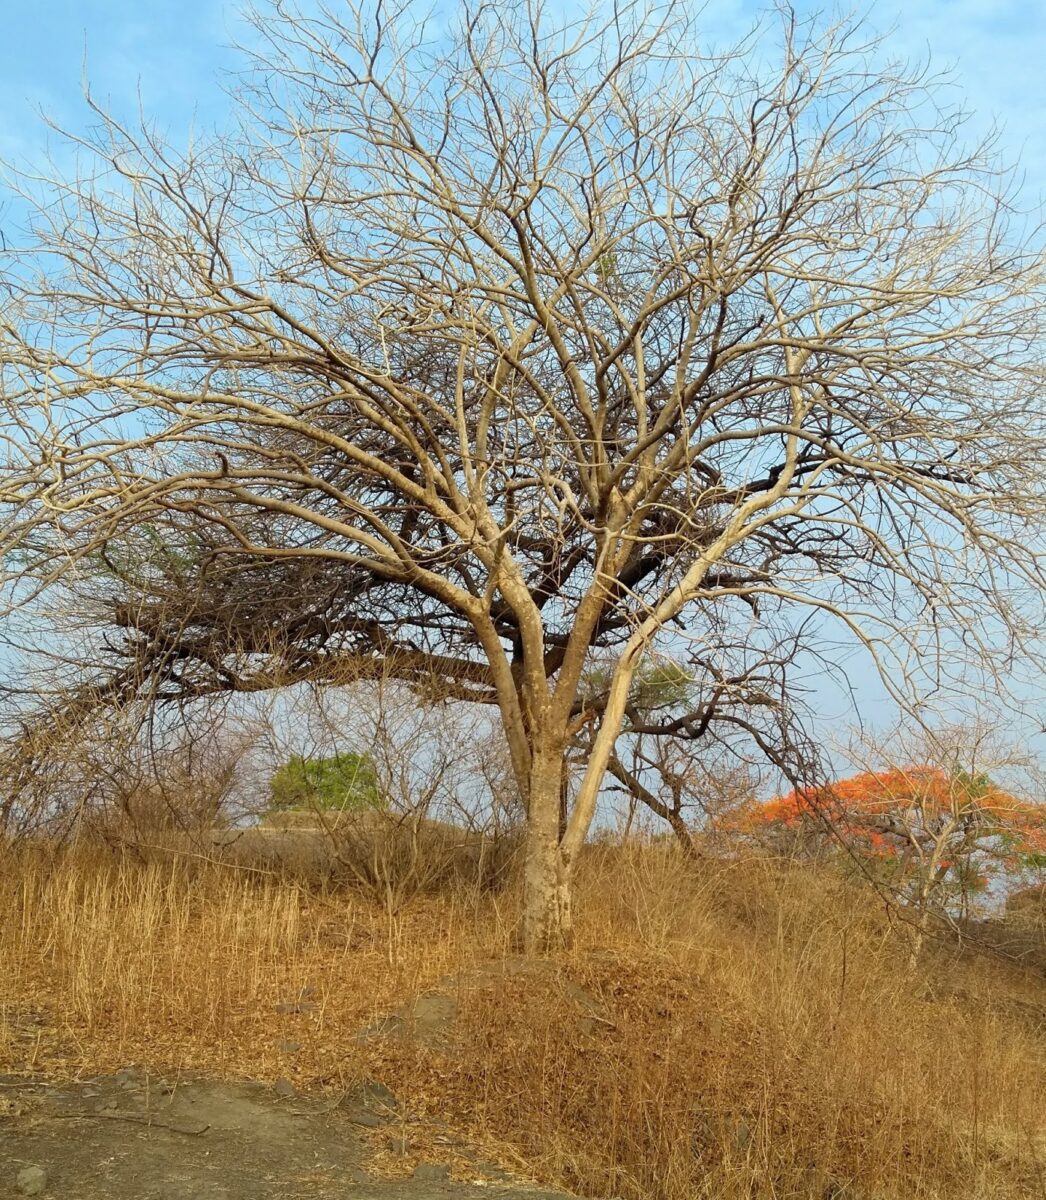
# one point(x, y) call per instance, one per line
point(736, 1030)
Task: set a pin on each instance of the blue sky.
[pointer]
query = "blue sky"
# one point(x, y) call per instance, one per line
point(178, 57)
point(178, 54)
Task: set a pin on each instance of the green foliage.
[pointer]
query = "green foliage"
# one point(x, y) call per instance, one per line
point(607, 270)
point(663, 684)
point(657, 684)
point(974, 787)
point(343, 783)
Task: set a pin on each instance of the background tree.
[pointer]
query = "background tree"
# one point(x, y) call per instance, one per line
point(494, 349)
point(696, 738)
point(345, 782)
point(935, 833)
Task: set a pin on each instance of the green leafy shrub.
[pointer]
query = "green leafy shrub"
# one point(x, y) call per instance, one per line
point(344, 783)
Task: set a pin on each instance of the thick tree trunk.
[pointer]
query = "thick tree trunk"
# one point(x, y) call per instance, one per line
point(547, 883)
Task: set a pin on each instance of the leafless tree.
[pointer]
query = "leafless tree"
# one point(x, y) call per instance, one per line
point(511, 343)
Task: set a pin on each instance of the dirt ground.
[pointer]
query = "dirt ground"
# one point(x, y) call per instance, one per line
point(131, 1135)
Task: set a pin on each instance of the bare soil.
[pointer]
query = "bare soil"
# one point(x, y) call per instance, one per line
point(131, 1135)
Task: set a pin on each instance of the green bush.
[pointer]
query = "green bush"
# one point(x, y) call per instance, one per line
point(344, 783)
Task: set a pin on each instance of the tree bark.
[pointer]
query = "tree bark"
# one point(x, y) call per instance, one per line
point(547, 918)
point(684, 838)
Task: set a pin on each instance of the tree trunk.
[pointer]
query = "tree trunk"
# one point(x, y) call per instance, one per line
point(547, 921)
point(918, 937)
point(684, 838)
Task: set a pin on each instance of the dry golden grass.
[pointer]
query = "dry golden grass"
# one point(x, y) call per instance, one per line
point(742, 1030)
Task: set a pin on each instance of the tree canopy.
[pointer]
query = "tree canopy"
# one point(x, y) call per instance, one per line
point(346, 782)
point(934, 835)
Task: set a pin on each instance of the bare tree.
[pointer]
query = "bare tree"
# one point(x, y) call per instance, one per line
point(510, 343)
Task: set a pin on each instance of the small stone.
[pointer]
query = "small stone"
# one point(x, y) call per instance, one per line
point(190, 1127)
point(284, 1087)
point(358, 1175)
point(489, 1173)
point(31, 1181)
point(286, 1046)
point(374, 1095)
point(431, 1173)
point(398, 1145)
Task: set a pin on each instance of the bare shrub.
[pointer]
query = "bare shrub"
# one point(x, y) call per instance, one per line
point(448, 816)
point(110, 772)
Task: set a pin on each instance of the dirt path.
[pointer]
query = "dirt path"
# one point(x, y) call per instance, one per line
point(132, 1137)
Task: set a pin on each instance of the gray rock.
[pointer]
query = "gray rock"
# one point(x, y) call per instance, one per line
point(398, 1144)
point(284, 1087)
point(743, 1135)
point(431, 1173)
point(31, 1181)
point(391, 1026)
point(371, 1094)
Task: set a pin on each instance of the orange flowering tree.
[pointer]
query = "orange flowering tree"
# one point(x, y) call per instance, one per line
point(935, 836)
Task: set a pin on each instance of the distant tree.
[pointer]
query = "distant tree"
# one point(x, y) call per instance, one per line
point(934, 836)
point(493, 348)
point(343, 783)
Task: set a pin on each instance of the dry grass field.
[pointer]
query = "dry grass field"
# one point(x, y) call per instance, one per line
point(732, 1030)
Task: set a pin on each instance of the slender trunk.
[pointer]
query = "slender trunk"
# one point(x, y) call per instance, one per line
point(684, 838)
point(932, 879)
point(630, 819)
point(918, 937)
point(546, 888)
